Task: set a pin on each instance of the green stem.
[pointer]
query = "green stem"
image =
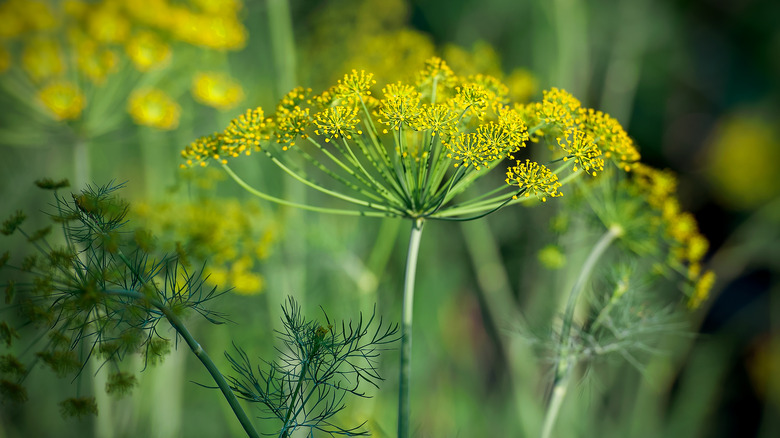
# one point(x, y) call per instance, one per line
point(283, 44)
point(558, 394)
point(200, 353)
point(281, 201)
point(406, 329)
point(285, 429)
point(565, 364)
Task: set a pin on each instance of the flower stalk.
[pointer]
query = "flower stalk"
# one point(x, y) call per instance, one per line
point(405, 371)
point(565, 363)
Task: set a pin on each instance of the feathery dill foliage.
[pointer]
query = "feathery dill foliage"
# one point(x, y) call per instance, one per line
point(317, 367)
point(410, 151)
point(97, 291)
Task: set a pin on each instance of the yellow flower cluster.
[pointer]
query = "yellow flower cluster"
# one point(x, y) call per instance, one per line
point(580, 147)
point(357, 84)
point(335, 122)
point(589, 133)
point(96, 35)
point(225, 233)
point(217, 90)
point(689, 246)
point(147, 50)
point(64, 99)
point(42, 58)
point(152, 107)
point(440, 121)
point(95, 62)
point(535, 178)
point(400, 106)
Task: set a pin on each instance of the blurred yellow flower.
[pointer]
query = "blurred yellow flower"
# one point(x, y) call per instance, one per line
point(743, 161)
point(702, 289)
point(147, 50)
point(63, 99)
point(483, 59)
point(19, 16)
point(230, 235)
point(152, 107)
point(42, 59)
point(94, 62)
point(244, 281)
point(107, 24)
point(218, 6)
point(210, 31)
point(217, 90)
point(523, 85)
point(156, 13)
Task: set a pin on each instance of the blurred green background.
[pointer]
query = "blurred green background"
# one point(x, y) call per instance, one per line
point(695, 83)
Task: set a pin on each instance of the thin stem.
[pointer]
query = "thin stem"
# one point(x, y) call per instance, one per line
point(285, 429)
point(406, 329)
point(281, 201)
point(564, 365)
point(304, 179)
point(283, 44)
point(200, 353)
point(558, 394)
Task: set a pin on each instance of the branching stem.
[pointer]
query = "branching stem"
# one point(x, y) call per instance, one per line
point(564, 365)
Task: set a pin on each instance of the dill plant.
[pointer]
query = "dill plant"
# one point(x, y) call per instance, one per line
point(99, 292)
point(422, 151)
point(318, 366)
point(624, 300)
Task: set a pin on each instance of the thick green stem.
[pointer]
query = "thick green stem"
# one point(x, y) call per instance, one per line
point(406, 329)
point(200, 353)
point(565, 363)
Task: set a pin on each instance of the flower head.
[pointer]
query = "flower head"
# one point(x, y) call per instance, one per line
point(440, 119)
point(152, 107)
point(615, 142)
point(291, 124)
point(42, 58)
point(471, 149)
point(440, 122)
point(63, 99)
point(95, 62)
point(560, 108)
point(534, 178)
point(204, 148)
point(435, 74)
point(245, 133)
point(702, 290)
point(217, 90)
point(400, 106)
point(580, 147)
point(472, 98)
point(147, 51)
point(357, 83)
point(337, 122)
point(107, 24)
